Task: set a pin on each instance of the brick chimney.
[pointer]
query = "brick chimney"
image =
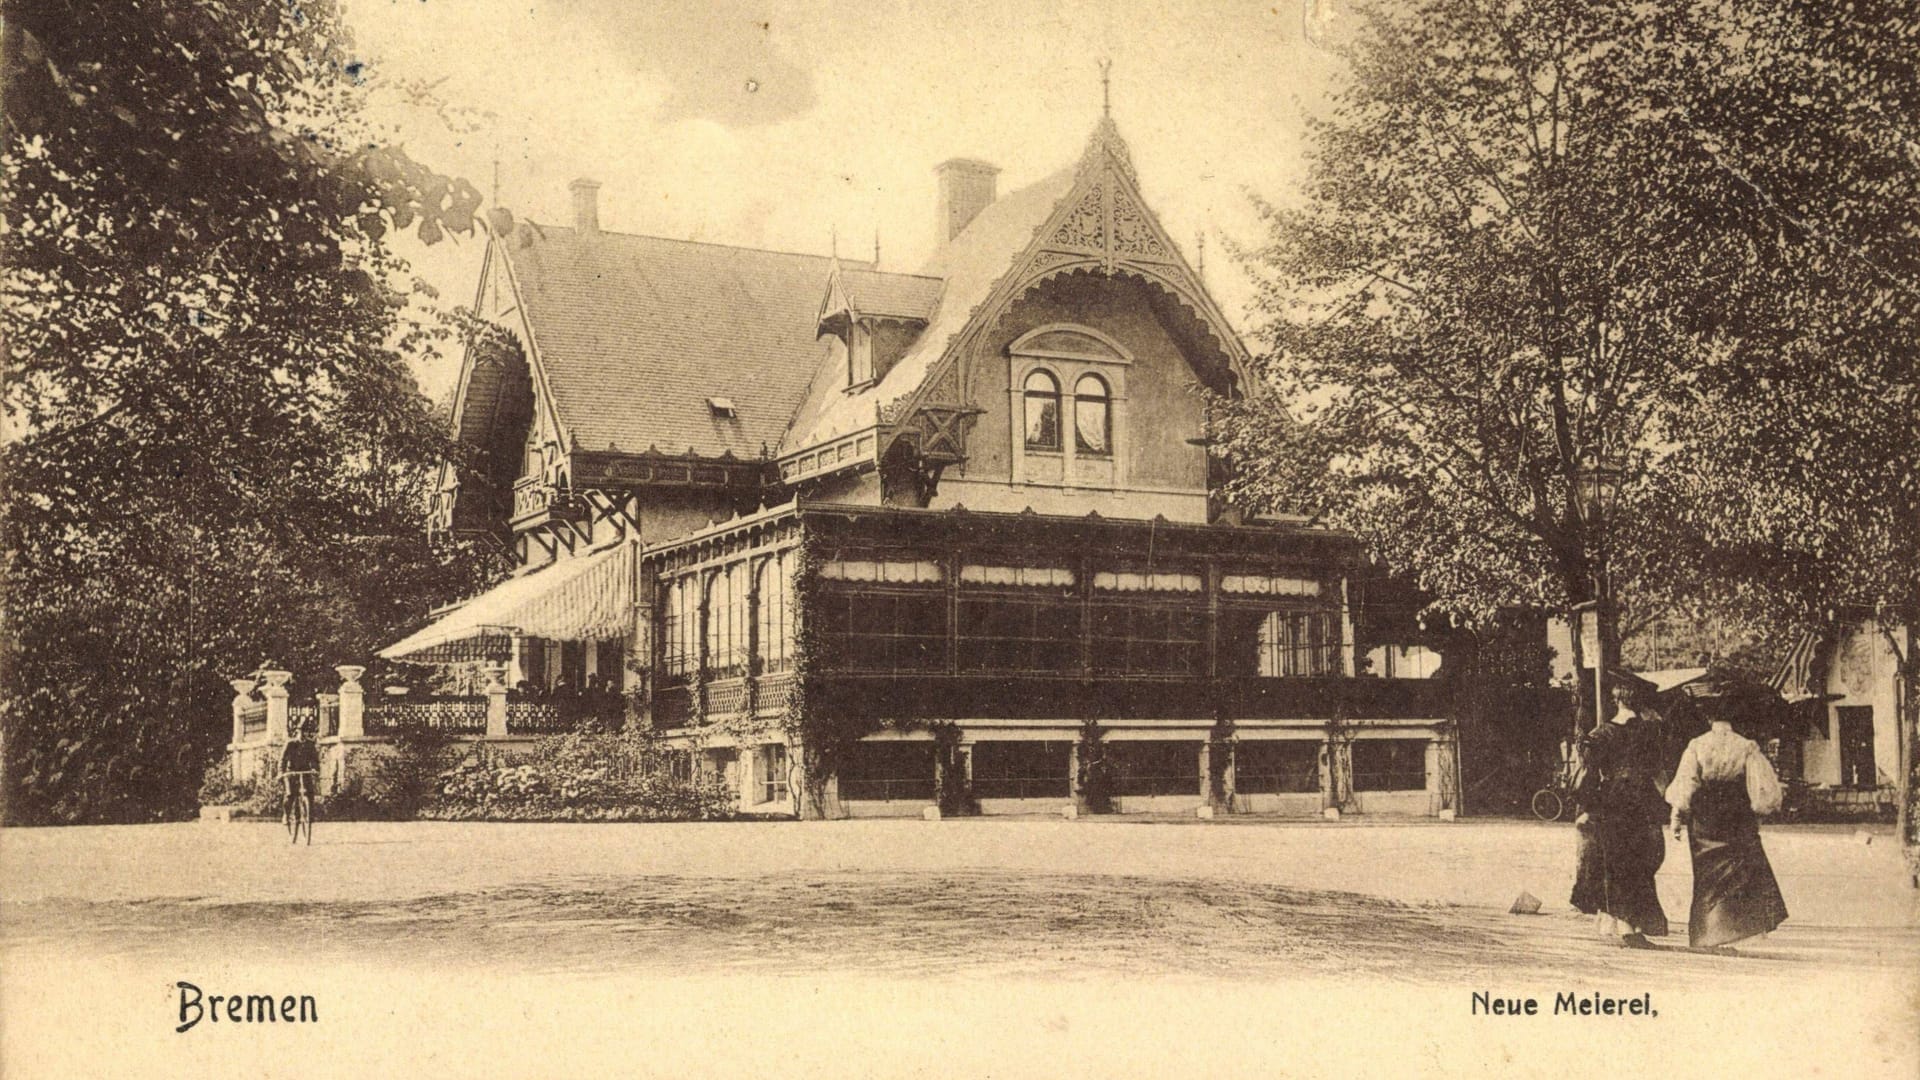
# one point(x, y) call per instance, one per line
point(966, 188)
point(586, 206)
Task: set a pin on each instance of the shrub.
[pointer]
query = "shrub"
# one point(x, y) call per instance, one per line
point(260, 796)
point(577, 777)
point(395, 786)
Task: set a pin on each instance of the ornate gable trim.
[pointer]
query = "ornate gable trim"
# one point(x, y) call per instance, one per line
point(1102, 226)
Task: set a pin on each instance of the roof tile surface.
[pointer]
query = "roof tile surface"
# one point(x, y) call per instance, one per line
point(635, 333)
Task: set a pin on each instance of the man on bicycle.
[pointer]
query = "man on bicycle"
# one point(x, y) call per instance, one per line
point(300, 766)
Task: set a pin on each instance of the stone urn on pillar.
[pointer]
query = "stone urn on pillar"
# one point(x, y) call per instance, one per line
point(276, 694)
point(242, 698)
point(353, 701)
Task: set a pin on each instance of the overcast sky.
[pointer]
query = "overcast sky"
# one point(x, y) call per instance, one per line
point(778, 124)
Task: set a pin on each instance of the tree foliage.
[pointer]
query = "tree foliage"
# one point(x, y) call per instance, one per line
point(216, 455)
point(1538, 231)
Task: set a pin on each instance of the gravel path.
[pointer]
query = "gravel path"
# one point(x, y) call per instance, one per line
point(718, 925)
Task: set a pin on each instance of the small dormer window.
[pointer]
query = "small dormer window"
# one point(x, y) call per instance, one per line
point(859, 356)
point(722, 408)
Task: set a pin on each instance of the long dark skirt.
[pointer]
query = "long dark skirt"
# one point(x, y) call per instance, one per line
point(1617, 862)
point(1735, 895)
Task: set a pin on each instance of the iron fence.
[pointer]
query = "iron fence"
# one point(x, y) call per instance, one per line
point(456, 715)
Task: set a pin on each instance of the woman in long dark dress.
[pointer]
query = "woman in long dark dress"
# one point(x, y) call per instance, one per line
point(1621, 814)
point(1723, 784)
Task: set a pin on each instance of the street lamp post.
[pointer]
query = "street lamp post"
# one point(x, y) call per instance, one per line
point(1596, 490)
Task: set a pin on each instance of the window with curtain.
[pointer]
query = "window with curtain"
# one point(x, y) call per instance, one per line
point(1092, 416)
point(727, 622)
point(1043, 411)
point(1297, 643)
point(776, 600)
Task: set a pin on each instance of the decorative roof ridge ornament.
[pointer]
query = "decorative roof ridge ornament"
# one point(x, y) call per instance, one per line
point(1106, 135)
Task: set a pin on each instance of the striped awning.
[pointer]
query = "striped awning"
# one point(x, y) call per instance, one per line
point(1794, 680)
point(589, 598)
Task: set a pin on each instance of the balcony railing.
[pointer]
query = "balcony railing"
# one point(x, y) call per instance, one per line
point(533, 496)
point(561, 714)
point(454, 715)
point(726, 697)
point(771, 693)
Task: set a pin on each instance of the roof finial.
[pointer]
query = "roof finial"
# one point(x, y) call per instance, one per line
point(1106, 93)
point(1202, 241)
point(833, 240)
point(876, 248)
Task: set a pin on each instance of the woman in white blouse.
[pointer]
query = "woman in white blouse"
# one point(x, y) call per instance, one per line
point(1724, 783)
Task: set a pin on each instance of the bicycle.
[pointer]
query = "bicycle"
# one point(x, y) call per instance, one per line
point(1550, 803)
point(298, 814)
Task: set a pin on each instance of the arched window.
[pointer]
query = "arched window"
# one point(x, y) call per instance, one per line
point(1043, 411)
point(727, 622)
point(776, 599)
point(679, 629)
point(1092, 416)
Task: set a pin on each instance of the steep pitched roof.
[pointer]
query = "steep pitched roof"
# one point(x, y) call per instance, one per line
point(1092, 216)
point(635, 333)
point(971, 264)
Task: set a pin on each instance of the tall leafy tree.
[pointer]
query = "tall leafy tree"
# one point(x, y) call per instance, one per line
point(1537, 232)
point(215, 454)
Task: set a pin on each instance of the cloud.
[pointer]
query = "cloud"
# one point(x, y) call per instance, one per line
point(726, 62)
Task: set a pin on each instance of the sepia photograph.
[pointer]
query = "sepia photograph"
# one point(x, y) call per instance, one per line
point(1113, 538)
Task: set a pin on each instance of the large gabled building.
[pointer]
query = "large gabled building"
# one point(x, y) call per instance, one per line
point(869, 541)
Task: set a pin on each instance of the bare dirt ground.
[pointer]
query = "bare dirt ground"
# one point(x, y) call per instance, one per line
point(1314, 913)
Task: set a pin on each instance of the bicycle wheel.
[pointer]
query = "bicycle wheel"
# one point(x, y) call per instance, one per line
point(1547, 805)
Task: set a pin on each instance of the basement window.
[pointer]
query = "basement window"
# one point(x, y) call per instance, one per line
point(722, 407)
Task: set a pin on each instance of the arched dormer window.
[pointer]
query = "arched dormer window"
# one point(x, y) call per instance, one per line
point(1043, 410)
point(1092, 416)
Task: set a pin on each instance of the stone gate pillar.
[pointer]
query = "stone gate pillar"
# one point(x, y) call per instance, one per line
point(353, 701)
point(276, 694)
point(496, 691)
point(242, 701)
